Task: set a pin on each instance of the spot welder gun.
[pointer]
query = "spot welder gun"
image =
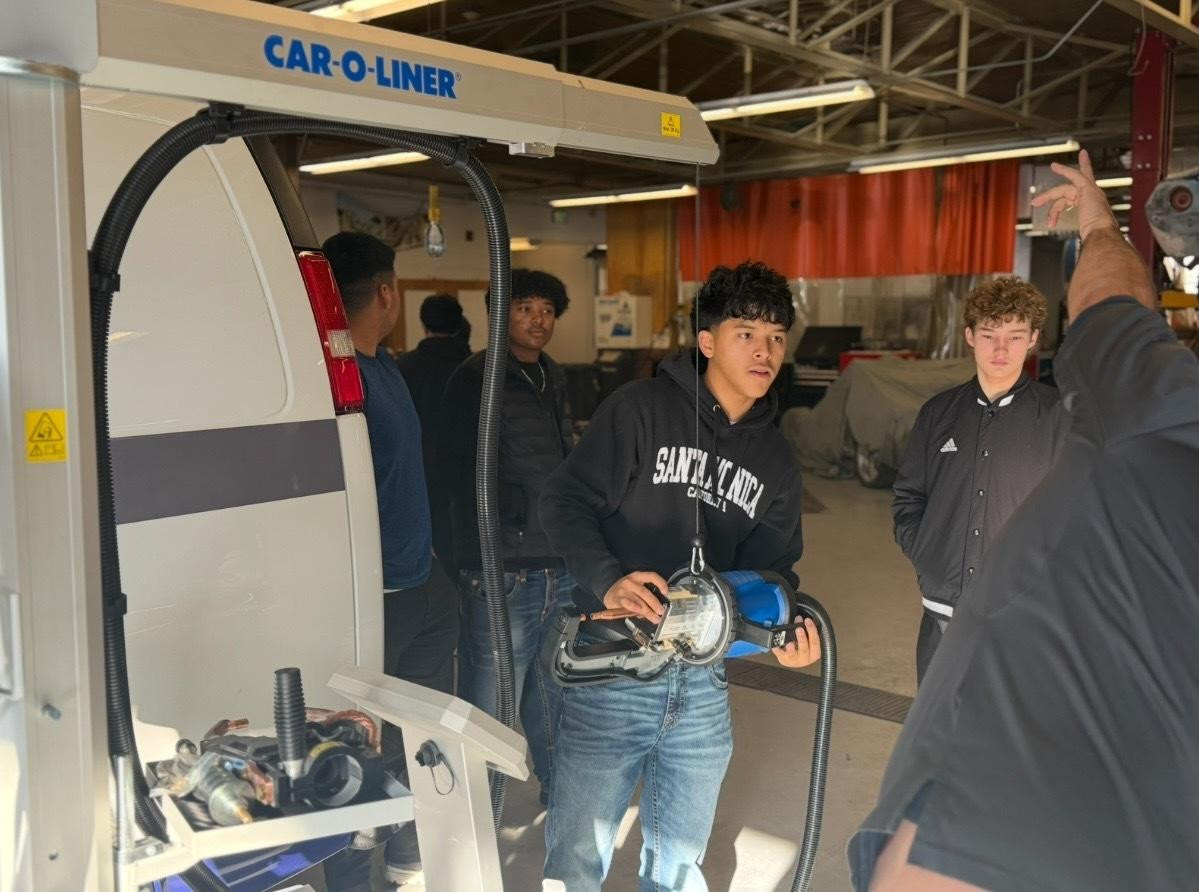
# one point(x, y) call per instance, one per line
point(707, 616)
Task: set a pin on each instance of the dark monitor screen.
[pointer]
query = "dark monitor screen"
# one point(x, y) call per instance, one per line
point(823, 344)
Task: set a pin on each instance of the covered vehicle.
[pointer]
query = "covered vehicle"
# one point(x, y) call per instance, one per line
point(861, 426)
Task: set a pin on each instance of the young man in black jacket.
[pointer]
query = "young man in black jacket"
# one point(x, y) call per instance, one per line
point(622, 512)
point(976, 452)
point(537, 435)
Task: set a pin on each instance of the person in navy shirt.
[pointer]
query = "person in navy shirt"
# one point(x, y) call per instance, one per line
point(420, 604)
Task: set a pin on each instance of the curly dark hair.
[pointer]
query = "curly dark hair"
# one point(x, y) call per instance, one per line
point(527, 283)
point(751, 290)
point(1006, 299)
point(441, 314)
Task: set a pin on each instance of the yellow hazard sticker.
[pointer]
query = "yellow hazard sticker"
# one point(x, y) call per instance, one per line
point(45, 435)
point(672, 125)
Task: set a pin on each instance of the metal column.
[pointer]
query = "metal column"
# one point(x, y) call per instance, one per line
point(54, 821)
point(1152, 131)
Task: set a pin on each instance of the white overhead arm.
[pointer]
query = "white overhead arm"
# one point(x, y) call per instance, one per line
point(281, 60)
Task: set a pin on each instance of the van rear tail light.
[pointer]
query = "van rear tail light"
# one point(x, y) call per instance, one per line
point(334, 331)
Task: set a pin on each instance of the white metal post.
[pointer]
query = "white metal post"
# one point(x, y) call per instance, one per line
point(54, 823)
point(454, 823)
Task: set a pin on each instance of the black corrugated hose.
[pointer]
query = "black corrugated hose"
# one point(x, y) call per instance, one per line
point(824, 723)
point(217, 124)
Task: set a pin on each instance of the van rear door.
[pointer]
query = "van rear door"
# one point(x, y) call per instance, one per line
point(248, 528)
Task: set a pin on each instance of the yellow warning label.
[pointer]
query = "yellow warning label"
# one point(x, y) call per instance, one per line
point(45, 435)
point(672, 125)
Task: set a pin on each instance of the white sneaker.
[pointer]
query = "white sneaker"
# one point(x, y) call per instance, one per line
point(405, 874)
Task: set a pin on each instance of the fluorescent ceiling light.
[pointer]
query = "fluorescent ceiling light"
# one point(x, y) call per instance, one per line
point(963, 155)
point(1122, 207)
point(1114, 182)
point(365, 10)
point(521, 243)
point(621, 197)
point(363, 163)
point(785, 100)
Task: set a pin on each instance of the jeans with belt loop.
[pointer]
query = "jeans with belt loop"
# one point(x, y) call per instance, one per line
point(534, 597)
point(675, 735)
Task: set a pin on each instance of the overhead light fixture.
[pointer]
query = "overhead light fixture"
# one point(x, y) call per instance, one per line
point(785, 100)
point(1125, 206)
point(365, 162)
point(521, 243)
point(1114, 182)
point(963, 155)
point(365, 10)
point(652, 194)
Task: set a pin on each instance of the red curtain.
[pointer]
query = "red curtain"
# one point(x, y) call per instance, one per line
point(931, 220)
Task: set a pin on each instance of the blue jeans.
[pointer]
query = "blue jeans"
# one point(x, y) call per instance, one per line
point(534, 597)
point(674, 734)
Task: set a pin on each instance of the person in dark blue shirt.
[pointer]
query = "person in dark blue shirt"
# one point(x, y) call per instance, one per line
point(420, 604)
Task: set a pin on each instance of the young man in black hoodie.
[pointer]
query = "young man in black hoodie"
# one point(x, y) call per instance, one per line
point(622, 512)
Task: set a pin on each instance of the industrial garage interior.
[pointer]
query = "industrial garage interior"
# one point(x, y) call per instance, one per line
point(221, 474)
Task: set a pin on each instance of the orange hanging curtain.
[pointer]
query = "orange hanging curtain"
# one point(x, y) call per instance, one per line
point(977, 219)
point(851, 225)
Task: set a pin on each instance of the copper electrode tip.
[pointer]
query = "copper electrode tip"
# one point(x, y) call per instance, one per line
point(614, 613)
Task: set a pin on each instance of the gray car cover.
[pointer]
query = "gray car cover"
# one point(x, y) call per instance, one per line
point(873, 404)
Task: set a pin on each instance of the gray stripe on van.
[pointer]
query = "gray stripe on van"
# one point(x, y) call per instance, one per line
point(166, 475)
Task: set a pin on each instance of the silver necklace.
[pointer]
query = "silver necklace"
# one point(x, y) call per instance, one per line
point(540, 389)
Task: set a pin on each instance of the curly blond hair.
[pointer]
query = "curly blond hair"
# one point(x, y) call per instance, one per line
point(1006, 299)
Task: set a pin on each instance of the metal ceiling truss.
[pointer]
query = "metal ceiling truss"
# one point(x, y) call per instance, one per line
point(1179, 25)
point(1052, 76)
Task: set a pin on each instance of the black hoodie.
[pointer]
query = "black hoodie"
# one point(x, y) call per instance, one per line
point(625, 498)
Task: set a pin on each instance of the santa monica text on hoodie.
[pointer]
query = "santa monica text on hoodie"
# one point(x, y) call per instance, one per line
point(625, 500)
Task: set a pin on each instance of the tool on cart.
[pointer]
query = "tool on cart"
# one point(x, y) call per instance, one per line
point(317, 759)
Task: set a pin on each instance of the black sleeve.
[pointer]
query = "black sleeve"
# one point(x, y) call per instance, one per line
point(1122, 372)
point(776, 541)
point(457, 441)
point(588, 487)
point(911, 485)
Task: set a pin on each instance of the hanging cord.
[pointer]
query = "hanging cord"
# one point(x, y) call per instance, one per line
point(697, 542)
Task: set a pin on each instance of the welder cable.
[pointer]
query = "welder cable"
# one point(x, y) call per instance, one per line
point(695, 311)
point(107, 251)
point(820, 743)
point(108, 246)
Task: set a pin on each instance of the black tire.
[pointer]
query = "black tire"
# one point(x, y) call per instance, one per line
point(872, 473)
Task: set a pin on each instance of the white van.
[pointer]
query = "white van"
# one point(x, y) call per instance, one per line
point(245, 498)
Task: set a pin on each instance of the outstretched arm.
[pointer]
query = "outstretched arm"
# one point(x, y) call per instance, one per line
point(1108, 265)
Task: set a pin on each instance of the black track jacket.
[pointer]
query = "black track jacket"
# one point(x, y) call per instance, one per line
point(968, 466)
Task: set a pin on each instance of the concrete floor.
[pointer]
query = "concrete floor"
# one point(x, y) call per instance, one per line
point(852, 566)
